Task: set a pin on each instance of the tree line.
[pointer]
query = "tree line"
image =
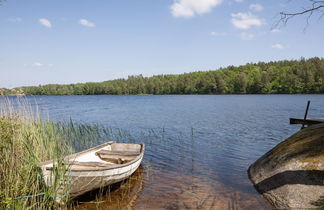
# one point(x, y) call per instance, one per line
point(287, 76)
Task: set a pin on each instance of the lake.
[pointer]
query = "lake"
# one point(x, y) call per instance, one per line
point(198, 147)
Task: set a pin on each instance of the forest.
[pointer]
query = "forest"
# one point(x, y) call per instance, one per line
point(279, 77)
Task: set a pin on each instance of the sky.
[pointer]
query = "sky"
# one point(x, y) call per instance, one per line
point(62, 42)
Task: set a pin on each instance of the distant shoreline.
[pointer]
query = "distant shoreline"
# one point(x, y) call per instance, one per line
point(280, 77)
point(175, 94)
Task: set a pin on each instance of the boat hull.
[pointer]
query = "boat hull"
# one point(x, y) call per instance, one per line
point(80, 181)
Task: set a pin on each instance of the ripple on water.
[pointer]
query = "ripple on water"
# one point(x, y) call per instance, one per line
point(160, 189)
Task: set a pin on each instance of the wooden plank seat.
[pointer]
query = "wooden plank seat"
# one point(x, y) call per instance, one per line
point(116, 156)
point(117, 152)
point(92, 164)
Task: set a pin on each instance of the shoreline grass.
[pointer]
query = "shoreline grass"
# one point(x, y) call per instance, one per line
point(26, 140)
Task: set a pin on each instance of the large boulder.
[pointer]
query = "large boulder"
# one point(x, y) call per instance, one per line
point(291, 175)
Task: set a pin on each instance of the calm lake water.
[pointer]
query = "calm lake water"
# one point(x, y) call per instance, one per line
point(198, 147)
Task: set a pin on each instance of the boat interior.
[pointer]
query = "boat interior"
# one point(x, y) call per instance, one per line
point(110, 154)
point(119, 153)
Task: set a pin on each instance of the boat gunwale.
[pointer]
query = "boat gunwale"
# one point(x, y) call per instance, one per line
point(108, 167)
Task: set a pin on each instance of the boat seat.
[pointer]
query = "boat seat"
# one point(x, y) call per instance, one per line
point(117, 153)
point(93, 164)
point(116, 156)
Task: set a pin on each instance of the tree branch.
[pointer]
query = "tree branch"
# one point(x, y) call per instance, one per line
point(315, 7)
point(302, 12)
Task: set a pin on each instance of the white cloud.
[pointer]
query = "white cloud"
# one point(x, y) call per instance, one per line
point(190, 8)
point(246, 36)
point(256, 7)
point(239, 1)
point(15, 20)
point(275, 30)
point(245, 20)
point(86, 23)
point(37, 64)
point(214, 33)
point(278, 46)
point(45, 22)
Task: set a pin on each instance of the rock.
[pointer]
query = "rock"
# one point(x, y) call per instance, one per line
point(291, 175)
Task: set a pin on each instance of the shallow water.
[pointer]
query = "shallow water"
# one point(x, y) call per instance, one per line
point(198, 148)
point(170, 190)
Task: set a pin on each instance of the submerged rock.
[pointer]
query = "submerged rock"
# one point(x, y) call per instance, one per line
point(291, 175)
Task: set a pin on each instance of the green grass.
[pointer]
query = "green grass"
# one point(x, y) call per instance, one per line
point(26, 140)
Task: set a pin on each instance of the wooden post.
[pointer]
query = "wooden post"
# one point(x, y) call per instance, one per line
point(305, 117)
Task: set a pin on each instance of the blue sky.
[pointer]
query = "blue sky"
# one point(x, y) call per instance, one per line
point(60, 41)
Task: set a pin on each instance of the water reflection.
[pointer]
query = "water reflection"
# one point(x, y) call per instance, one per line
point(161, 189)
point(122, 195)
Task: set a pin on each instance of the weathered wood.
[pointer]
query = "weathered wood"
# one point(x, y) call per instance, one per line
point(117, 157)
point(308, 121)
point(88, 171)
point(88, 164)
point(120, 152)
point(305, 117)
point(115, 160)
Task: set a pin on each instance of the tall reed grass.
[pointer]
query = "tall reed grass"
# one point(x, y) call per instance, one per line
point(26, 140)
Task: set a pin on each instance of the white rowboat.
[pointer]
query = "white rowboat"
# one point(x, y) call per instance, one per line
point(97, 167)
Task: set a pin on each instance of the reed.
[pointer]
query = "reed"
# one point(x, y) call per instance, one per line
point(26, 139)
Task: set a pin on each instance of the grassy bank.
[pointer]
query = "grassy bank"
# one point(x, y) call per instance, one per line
point(25, 141)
